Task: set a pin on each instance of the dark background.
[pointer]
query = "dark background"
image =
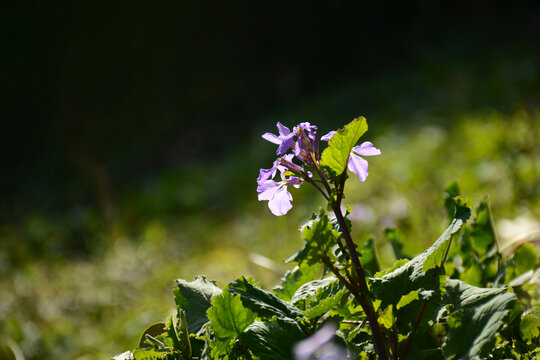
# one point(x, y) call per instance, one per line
point(98, 97)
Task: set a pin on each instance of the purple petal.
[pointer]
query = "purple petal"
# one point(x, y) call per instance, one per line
point(283, 130)
point(267, 190)
point(280, 204)
point(272, 138)
point(328, 136)
point(366, 149)
point(265, 174)
point(286, 143)
point(358, 166)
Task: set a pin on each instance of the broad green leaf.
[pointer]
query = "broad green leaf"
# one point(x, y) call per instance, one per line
point(228, 319)
point(525, 257)
point(320, 236)
point(294, 279)
point(336, 156)
point(272, 341)
point(194, 297)
point(262, 302)
point(422, 271)
point(460, 294)
point(477, 314)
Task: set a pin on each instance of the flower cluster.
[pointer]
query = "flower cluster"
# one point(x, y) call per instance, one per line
point(303, 143)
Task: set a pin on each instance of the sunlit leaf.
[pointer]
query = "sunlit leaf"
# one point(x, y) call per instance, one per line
point(294, 279)
point(336, 156)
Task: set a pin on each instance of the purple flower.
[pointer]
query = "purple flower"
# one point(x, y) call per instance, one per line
point(279, 199)
point(284, 139)
point(306, 142)
point(356, 164)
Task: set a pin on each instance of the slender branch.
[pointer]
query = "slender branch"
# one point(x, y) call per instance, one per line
point(312, 182)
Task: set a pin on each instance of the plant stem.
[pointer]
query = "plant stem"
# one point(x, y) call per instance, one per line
point(364, 301)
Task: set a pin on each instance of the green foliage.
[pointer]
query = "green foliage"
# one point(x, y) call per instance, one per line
point(336, 156)
point(320, 236)
point(228, 318)
point(293, 279)
point(475, 318)
point(422, 272)
point(195, 299)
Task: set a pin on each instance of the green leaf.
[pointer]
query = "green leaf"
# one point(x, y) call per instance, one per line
point(309, 289)
point(472, 275)
point(262, 302)
point(294, 279)
point(228, 319)
point(530, 327)
point(317, 297)
point(450, 192)
point(319, 236)
point(395, 237)
point(482, 235)
point(368, 257)
point(477, 314)
point(152, 330)
point(407, 299)
point(525, 257)
point(422, 271)
point(460, 294)
point(272, 341)
point(436, 258)
point(336, 156)
point(195, 298)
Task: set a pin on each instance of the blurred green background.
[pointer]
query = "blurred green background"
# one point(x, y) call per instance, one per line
point(130, 144)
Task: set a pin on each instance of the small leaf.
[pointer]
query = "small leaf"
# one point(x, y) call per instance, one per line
point(262, 302)
point(525, 257)
point(472, 275)
point(530, 327)
point(407, 299)
point(395, 237)
point(437, 257)
point(369, 257)
point(319, 235)
point(194, 297)
point(294, 279)
point(336, 156)
point(152, 330)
